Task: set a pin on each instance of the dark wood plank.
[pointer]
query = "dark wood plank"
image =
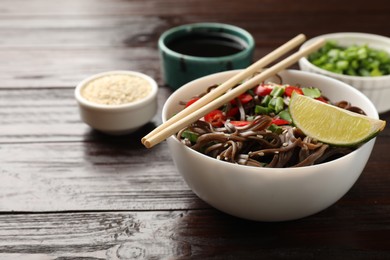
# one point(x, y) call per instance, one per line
point(189, 7)
point(31, 115)
point(119, 174)
point(65, 68)
point(58, 44)
point(79, 32)
point(108, 175)
point(120, 31)
point(200, 234)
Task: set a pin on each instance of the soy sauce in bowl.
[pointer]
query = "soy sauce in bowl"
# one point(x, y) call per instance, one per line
point(192, 51)
point(207, 44)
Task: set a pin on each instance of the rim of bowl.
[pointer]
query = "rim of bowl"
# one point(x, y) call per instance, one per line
point(265, 170)
point(125, 106)
point(249, 40)
point(346, 35)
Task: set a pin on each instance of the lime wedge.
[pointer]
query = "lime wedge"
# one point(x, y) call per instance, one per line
point(330, 124)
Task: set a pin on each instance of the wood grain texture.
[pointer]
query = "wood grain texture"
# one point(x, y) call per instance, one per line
point(190, 7)
point(57, 44)
point(110, 174)
point(74, 176)
point(200, 234)
point(51, 114)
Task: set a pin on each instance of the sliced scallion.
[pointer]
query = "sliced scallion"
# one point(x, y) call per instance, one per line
point(191, 136)
point(311, 92)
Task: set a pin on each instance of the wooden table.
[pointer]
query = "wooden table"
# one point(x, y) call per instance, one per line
point(69, 192)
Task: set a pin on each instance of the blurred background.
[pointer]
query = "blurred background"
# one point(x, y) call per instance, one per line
point(90, 36)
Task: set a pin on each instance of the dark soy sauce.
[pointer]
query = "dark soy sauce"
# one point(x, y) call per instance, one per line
point(207, 44)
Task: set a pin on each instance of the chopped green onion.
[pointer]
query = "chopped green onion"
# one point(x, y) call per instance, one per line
point(260, 110)
point(277, 104)
point(284, 114)
point(265, 101)
point(342, 64)
point(312, 92)
point(191, 136)
point(376, 72)
point(275, 129)
point(353, 60)
point(277, 91)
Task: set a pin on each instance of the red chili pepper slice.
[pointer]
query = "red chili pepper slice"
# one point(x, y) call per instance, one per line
point(191, 101)
point(244, 98)
point(279, 121)
point(290, 89)
point(215, 118)
point(263, 90)
point(240, 123)
point(232, 112)
point(322, 99)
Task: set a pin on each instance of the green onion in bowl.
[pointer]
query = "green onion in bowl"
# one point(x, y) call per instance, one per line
point(358, 59)
point(354, 60)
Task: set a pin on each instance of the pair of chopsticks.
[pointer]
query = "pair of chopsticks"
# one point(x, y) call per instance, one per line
point(220, 96)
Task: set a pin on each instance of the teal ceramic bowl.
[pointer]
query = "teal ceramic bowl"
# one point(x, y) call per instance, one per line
point(220, 47)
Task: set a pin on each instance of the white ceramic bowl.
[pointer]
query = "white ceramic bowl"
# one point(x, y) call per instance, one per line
point(377, 89)
point(269, 194)
point(117, 119)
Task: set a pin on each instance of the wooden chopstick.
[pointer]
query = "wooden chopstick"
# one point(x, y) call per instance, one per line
point(169, 129)
point(224, 87)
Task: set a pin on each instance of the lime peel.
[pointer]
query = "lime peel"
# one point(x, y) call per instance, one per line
point(330, 124)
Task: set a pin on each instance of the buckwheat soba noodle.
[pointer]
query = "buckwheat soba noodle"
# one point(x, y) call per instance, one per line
point(256, 129)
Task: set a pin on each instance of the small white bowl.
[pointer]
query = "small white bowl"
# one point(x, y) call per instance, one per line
point(377, 89)
point(269, 194)
point(122, 118)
